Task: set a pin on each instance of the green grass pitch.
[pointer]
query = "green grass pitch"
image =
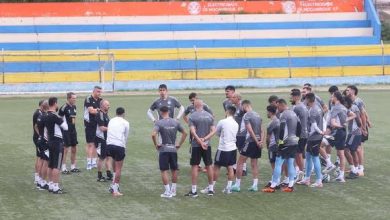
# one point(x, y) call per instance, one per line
point(365, 198)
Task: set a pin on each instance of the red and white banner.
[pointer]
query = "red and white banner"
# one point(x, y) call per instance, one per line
point(177, 8)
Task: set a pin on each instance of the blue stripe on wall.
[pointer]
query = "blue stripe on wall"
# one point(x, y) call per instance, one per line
point(189, 44)
point(182, 27)
point(201, 64)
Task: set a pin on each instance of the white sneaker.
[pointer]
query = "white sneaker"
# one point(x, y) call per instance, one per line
point(227, 191)
point(300, 176)
point(286, 180)
point(166, 195)
point(340, 179)
point(205, 190)
point(94, 165)
point(89, 166)
point(316, 185)
point(173, 193)
point(328, 169)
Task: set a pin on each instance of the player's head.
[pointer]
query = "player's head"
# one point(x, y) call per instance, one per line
point(229, 91)
point(271, 111)
point(230, 110)
point(71, 97)
point(235, 98)
point(40, 102)
point(97, 92)
point(120, 112)
point(53, 103)
point(198, 104)
point(307, 88)
point(347, 102)
point(333, 89)
point(282, 105)
point(163, 90)
point(295, 96)
point(246, 105)
point(337, 98)
point(192, 97)
point(310, 99)
point(164, 110)
point(352, 91)
point(272, 100)
point(45, 105)
point(104, 105)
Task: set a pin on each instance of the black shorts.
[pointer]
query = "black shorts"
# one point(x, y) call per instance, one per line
point(287, 152)
point(240, 142)
point(225, 158)
point(198, 153)
point(339, 139)
point(353, 142)
point(365, 137)
point(101, 147)
point(70, 138)
point(117, 153)
point(251, 150)
point(36, 143)
point(272, 151)
point(301, 145)
point(90, 133)
point(55, 154)
point(313, 146)
point(43, 150)
point(168, 161)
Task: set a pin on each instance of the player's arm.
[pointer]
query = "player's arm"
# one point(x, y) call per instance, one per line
point(35, 127)
point(351, 116)
point(150, 115)
point(62, 123)
point(325, 108)
point(219, 129)
point(281, 132)
point(194, 135)
point(249, 128)
point(154, 137)
point(180, 113)
point(101, 122)
point(213, 130)
point(183, 137)
point(127, 131)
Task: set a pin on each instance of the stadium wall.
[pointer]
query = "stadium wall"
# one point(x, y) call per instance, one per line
point(44, 46)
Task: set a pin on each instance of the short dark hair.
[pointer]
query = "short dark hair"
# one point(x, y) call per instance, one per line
point(282, 101)
point(347, 102)
point(338, 96)
point(272, 98)
point(295, 92)
point(164, 109)
point(307, 85)
point(333, 89)
point(52, 101)
point(69, 95)
point(192, 95)
point(272, 109)
point(354, 88)
point(231, 110)
point(230, 87)
point(163, 86)
point(120, 111)
point(310, 97)
point(97, 87)
point(40, 102)
point(246, 102)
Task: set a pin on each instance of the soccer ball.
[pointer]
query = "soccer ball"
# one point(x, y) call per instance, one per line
point(326, 178)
